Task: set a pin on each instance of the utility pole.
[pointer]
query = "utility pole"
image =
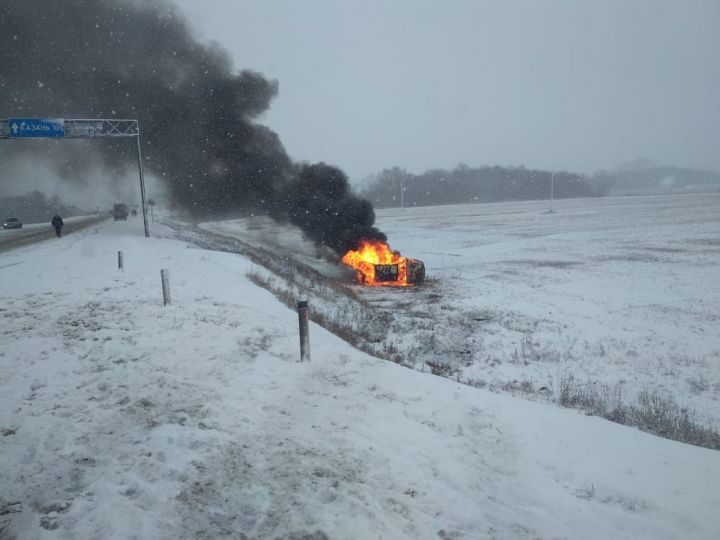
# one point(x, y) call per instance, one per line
point(552, 188)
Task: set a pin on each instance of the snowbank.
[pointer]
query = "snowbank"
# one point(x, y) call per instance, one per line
point(123, 418)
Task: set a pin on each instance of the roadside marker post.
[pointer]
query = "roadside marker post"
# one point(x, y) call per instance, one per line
point(165, 278)
point(304, 333)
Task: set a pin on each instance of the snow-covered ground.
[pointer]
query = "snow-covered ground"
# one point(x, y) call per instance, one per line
point(617, 291)
point(122, 418)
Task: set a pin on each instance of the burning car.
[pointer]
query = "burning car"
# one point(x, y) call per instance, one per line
point(377, 264)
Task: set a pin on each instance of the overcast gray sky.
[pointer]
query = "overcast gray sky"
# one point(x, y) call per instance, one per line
point(578, 85)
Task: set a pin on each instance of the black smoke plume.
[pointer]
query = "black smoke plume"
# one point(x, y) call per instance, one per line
point(320, 203)
point(132, 59)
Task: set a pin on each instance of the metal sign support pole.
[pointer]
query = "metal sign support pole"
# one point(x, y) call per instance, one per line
point(142, 186)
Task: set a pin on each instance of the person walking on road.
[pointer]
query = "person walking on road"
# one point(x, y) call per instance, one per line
point(57, 222)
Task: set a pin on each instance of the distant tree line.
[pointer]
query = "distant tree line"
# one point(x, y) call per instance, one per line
point(35, 207)
point(643, 177)
point(465, 184)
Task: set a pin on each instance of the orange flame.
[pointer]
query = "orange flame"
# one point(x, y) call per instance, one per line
point(374, 252)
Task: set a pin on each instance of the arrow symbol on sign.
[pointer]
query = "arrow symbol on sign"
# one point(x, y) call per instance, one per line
point(14, 128)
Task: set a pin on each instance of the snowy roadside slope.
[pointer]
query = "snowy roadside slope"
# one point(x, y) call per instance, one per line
point(620, 294)
point(123, 418)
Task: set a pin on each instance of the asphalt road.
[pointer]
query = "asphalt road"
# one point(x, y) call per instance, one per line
point(31, 233)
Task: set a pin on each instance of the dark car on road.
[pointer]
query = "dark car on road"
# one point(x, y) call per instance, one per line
point(12, 223)
point(120, 211)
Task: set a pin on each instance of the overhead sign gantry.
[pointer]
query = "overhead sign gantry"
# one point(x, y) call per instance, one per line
point(67, 128)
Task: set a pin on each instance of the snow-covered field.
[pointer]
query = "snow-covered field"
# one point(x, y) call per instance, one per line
point(122, 418)
point(622, 292)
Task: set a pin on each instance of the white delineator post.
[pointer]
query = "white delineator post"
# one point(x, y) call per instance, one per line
point(304, 334)
point(165, 277)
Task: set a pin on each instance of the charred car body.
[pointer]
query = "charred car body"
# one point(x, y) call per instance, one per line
point(389, 273)
point(378, 265)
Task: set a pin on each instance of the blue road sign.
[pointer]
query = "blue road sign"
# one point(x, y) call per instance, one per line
point(36, 127)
